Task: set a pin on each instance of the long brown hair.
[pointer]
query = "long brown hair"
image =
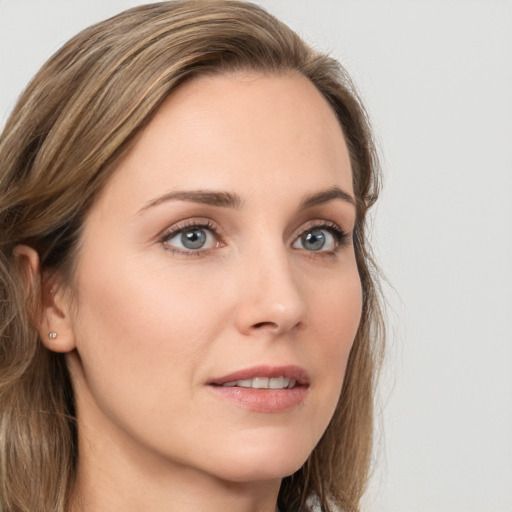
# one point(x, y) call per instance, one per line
point(60, 145)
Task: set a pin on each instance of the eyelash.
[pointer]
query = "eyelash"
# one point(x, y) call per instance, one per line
point(341, 237)
point(188, 226)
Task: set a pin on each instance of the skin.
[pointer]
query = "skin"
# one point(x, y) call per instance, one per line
point(152, 322)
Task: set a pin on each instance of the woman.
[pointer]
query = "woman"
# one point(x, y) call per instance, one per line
point(189, 308)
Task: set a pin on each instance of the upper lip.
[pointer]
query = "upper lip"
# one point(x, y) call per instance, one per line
point(288, 371)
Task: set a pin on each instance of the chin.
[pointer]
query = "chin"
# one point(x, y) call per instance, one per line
point(260, 462)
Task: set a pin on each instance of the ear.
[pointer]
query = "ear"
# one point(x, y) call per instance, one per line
point(52, 312)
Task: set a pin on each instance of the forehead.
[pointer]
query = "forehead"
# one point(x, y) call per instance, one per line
point(236, 131)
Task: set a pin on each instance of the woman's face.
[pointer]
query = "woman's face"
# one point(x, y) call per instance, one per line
point(217, 290)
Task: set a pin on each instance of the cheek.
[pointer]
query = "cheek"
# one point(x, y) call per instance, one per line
point(141, 338)
point(144, 303)
point(336, 310)
point(335, 316)
point(144, 325)
point(135, 332)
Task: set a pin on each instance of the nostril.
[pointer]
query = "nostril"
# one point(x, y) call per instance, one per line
point(261, 325)
point(273, 326)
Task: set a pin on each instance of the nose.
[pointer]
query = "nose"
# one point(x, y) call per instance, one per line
point(271, 301)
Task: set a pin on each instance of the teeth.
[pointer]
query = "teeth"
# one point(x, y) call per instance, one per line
point(277, 383)
point(263, 383)
point(260, 382)
point(247, 383)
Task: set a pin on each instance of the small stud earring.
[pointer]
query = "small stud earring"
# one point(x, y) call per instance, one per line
point(52, 335)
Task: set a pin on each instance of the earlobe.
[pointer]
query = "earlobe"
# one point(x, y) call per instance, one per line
point(50, 312)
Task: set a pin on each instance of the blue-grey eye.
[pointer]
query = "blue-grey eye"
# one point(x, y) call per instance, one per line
point(313, 240)
point(192, 238)
point(316, 239)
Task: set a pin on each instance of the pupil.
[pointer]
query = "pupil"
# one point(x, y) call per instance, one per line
point(314, 240)
point(193, 239)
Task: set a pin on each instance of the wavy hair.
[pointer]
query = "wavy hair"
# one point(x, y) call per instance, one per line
point(70, 127)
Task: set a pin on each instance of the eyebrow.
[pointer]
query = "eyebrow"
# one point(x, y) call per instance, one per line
point(231, 200)
point(221, 199)
point(325, 196)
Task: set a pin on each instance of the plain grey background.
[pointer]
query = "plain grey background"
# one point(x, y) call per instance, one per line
point(437, 80)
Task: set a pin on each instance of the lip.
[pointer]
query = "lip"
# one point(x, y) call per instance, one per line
point(288, 371)
point(263, 400)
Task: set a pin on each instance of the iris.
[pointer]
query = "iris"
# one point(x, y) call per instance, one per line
point(193, 238)
point(313, 240)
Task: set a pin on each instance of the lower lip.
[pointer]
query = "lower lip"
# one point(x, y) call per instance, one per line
point(263, 400)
